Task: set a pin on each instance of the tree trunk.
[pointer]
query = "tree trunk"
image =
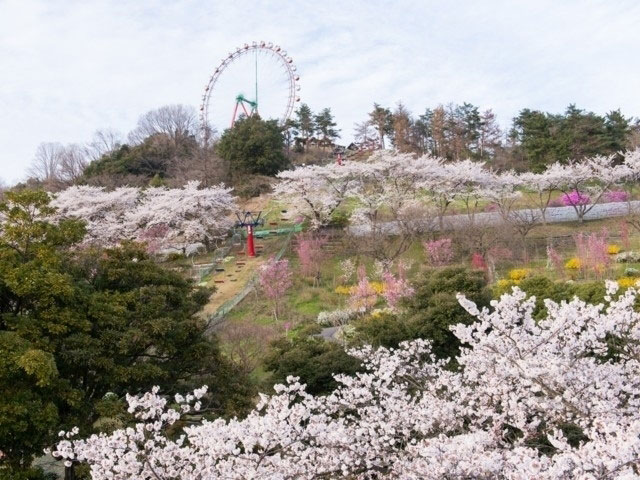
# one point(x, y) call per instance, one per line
point(69, 473)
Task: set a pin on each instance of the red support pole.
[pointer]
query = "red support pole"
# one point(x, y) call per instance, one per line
point(235, 112)
point(245, 110)
point(251, 251)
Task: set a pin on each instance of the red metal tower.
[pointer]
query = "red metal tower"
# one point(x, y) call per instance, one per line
point(250, 221)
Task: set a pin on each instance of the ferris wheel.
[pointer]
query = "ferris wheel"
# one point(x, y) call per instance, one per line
point(256, 78)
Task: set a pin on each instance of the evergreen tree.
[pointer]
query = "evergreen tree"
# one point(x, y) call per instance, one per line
point(253, 146)
point(532, 133)
point(305, 123)
point(422, 132)
point(381, 118)
point(325, 126)
point(618, 130)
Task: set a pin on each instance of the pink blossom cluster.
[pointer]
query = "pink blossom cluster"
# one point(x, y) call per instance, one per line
point(477, 261)
point(624, 235)
point(575, 198)
point(363, 296)
point(522, 383)
point(616, 196)
point(439, 252)
point(309, 248)
point(592, 251)
point(275, 278)
point(555, 259)
point(396, 287)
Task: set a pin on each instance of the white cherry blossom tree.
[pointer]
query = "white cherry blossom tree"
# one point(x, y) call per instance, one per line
point(316, 191)
point(549, 399)
point(162, 217)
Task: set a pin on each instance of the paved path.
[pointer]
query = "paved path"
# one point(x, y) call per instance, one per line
point(553, 214)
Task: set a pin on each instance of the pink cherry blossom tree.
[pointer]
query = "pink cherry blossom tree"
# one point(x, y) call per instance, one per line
point(275, 278)
point(163, 217)
point(593, 177)
point(316, 191)
point(592, 252)
point(310, 250)
point(554, 259)
point(363, 297)
point(396, 287)
point(439, 252)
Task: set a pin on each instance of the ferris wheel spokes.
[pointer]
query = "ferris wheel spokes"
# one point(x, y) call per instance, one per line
point(276, 77)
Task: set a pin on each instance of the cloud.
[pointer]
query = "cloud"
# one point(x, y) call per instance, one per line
point(70, 67)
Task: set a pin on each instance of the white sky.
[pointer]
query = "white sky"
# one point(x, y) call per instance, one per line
point(69, 67)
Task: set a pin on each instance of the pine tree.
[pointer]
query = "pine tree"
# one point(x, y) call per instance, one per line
point(381, 119)
point(305, 124)
point(325, 126)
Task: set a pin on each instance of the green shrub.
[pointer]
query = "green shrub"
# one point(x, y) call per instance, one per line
point(313, 359)
point(430, 312)
point(339, 219)
point(380, 330)
point(543, 287)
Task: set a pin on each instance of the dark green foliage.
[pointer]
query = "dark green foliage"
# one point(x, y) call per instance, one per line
point(304, 126)
point(77, 324)
point(339, 219)
point(543, 138)
point(326, 126)
point(152, 158)
point(381, 119)
point(429, 312)
point(542, 287)
point(254, 146)
point(34, 473)
point(312, 359)
point(382, 330)
point(434, 306)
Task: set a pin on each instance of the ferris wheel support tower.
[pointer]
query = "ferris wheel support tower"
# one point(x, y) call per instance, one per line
point(275, 55)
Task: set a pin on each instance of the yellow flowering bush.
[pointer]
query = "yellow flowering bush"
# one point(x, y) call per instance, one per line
point(626, 282)
point(343, 289)
point(518, 274)
point(378, 287)
point(573, 264)
point(502, 286)
point(378, 312)
point(613, 249)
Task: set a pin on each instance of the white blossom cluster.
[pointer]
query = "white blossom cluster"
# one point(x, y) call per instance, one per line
point(163, 217)
point(405, 184)
point(336, 318)
point(508, 412)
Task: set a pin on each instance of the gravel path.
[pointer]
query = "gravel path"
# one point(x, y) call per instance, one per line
point(553, 214)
